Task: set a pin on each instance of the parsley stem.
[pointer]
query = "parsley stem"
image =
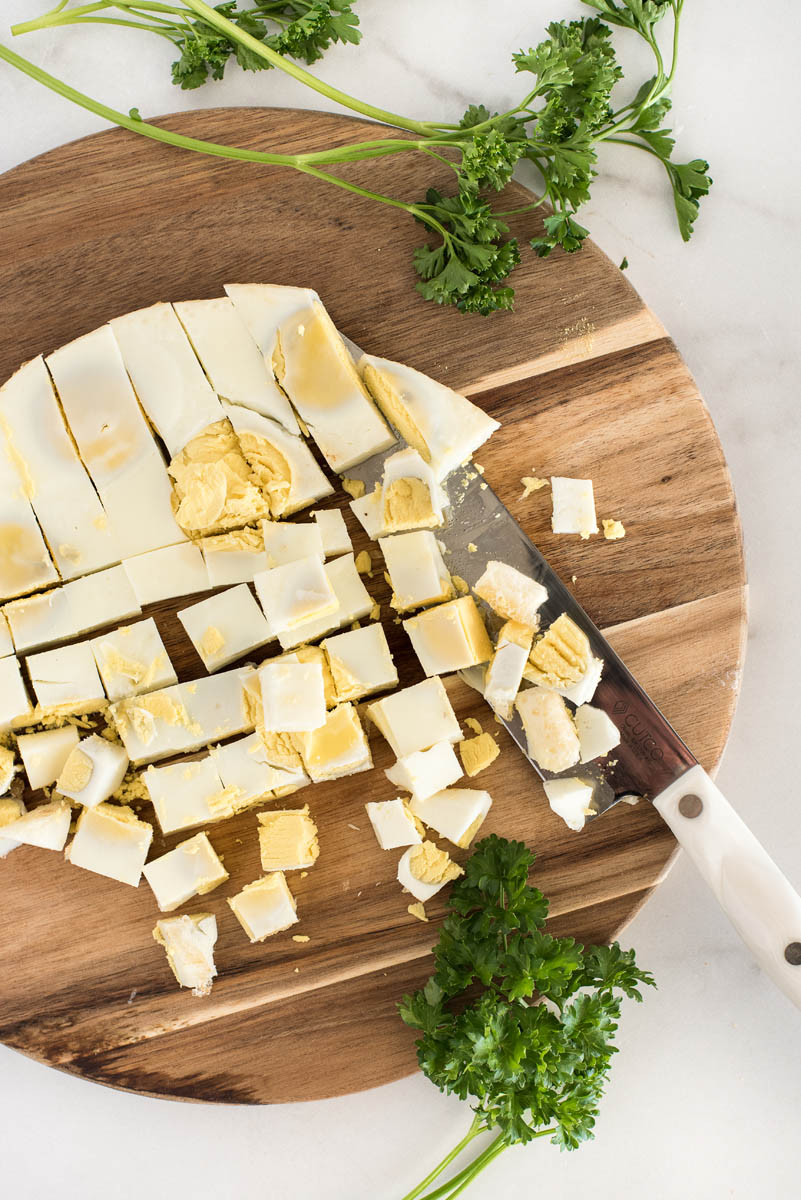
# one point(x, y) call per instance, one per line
point(476, 1127)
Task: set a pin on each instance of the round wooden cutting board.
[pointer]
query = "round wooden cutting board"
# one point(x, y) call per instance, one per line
point(585, 383)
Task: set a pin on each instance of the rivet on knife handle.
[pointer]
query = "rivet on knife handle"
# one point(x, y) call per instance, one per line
point(759, 901)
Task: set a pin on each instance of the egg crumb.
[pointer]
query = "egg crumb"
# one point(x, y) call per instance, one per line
point(300, 937)
point(613, 530)
point(478, 753)
point(472, 547)
point(461, 585)
point(532, 483)
point(375, 612)
point(354, 487)
point(417, 910)
point(474, 724)
point(364, 563)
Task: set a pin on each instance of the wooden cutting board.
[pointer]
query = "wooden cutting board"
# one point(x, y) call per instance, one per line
point(584, 381)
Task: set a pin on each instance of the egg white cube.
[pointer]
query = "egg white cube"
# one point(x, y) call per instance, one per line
point(360, 662)
point(597, 733)
point(339, 747)
point(265, 907)
point(44, 753)
point(93, 771)
point(416, 569)
point(183, 793)
point(584, 689)
point(225, 626)
point(353, 603)
point(46, 826)
point(297, 337)
point(393, 824)
point(419, 888)
point(52, 475)
point(11, 809)
point(264, 444)
point(293, 695)
point(15, 707)
point(550, 729)
point(295, 594)
point(111, 840)
point(74, 608)
point(193, 868)
point(416, 718)
point(367, 511)
point(425, 772)
point(167, 377)
point(570, 799)
point(216, 707)
point(449, 637)
point(511, 594)
point(133, 659)
point(234, 557)
point(454, 813)
point(333, 531)
point(25, 561)
point(115, 443)
point(443, 426)
point(167, 573)
point(232, 360)
point(507, 666)
point(243, 766)
point(189, 944)
point(156, 724)
point(573, 506)
point(288, 541)
point(66, 679)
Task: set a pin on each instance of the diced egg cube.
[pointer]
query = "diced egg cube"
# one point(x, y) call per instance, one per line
point(243, 767)
point(416, 569)
point(187, 794)
point(215, 706)
point(416, 718)
point(46, 826)
point(295, 593)
point(111, 840)
point(189, 943)
point(353, 603)
point(333, 531)
point(226, 626)
point(511, 594)
point(449, 637)
point(425, 869)
point(93, 771)
point(425, 772)
point(265, 907)
point(410, 495)
point(573, 506)
point(288, 541)
point(337, 748)
point(168, 572)
point(66, 679)
point(550, 729)
point(133, 659)
point(507, 666)
point(293, 695)
point(45, 752)
point(360, 662)
point(393, 823)
point(234, 557)
point(155, 724)
point(287, 840)
point(193, 868)
point(455, 813)
point(570, 799)
point(597, 733)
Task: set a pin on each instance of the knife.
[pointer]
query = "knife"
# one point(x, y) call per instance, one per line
point(652, 762)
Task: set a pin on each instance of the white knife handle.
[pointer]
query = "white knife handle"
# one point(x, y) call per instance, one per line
point(759, 901)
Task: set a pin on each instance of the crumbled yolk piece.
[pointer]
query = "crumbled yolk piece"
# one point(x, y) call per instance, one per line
point(287, 839)
point(417, 910)
point(354, 487)
point(478, 752)
point(6, 769)
point(474, 724)
point(364, 562)
point(613, 530)
point(461, 585)
point(407, 504)
point(429, 864)
point(532, 483)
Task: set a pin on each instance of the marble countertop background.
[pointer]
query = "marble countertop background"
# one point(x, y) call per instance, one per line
point(705, 1095)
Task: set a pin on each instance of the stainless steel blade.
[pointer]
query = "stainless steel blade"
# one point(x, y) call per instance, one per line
point(651, 754)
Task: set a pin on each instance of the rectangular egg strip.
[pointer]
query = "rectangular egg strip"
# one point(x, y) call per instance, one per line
point(25, 561)
point(74, 608)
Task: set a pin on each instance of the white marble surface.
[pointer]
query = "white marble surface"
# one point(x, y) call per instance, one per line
point(705, 1095)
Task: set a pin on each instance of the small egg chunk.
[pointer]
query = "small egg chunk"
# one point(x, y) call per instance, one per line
point(393, 823)
point(226, 626)
point(66, 679)
point(296, 593)
point(425, 869)
point(425, 772)
point(265, 907)
point(111, 840)
point(93, 771)
point(478, 753)
point(339, 747)
point(354, 487)
point(360, 662)
point(410, 495)
point(8, 768)
point(44, 753)
point(511, 594)
point(507, 666)
point(597, 733)
point(417, 910)
point(189, 793)
point(189, 943)
point(353, 602)
point(532, 483)
point(561, 656)
point(550, 730)
point(289, 541)
point(46, 826)
point(11, 810)
point(417, 572)
point(449, 637)
point(193, 868)
point(570, 799)
point(573, 506)
point(454, 813)
point(244, 769)
point(333, 531)
point(234, 557)
point(287, 840)
point(293, 695)
point(416, 717)
point(167, 573)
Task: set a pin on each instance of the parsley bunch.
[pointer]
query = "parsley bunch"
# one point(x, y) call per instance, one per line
point(521, 1022)
point(564, 117)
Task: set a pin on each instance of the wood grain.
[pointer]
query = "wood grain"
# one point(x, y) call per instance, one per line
point(585, 382)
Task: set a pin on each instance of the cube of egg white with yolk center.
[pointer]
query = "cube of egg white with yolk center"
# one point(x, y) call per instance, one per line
point(570, 799)
point(416, 717)
point(132, 660)
point(289, 541)
point(111, 840)
point(416, 569)
point(44, 753)
point(393, 823)
point(296, 593)
point(292, 695)
point(449, 637)
point(426, 771)
point(455, 813)
point(511, 594)
point(573, 506)
point(425, 869)
point(337, 748)
point(243, 766)
point(360, 662)
point(189, 943)
point(226, 626)
point(410, 495)
point(287, 839)
point(67, 679)
point(93, 771)
point(265, 907)
point(193, 868)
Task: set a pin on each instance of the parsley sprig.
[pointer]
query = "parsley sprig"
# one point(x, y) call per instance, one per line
point(559, 125)
point(519, 1022)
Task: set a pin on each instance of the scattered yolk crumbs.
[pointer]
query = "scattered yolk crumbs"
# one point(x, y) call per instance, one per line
point(613, 530)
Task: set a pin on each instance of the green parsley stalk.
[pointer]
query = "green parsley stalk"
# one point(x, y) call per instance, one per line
point(565, 115)
point(520, 1022)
